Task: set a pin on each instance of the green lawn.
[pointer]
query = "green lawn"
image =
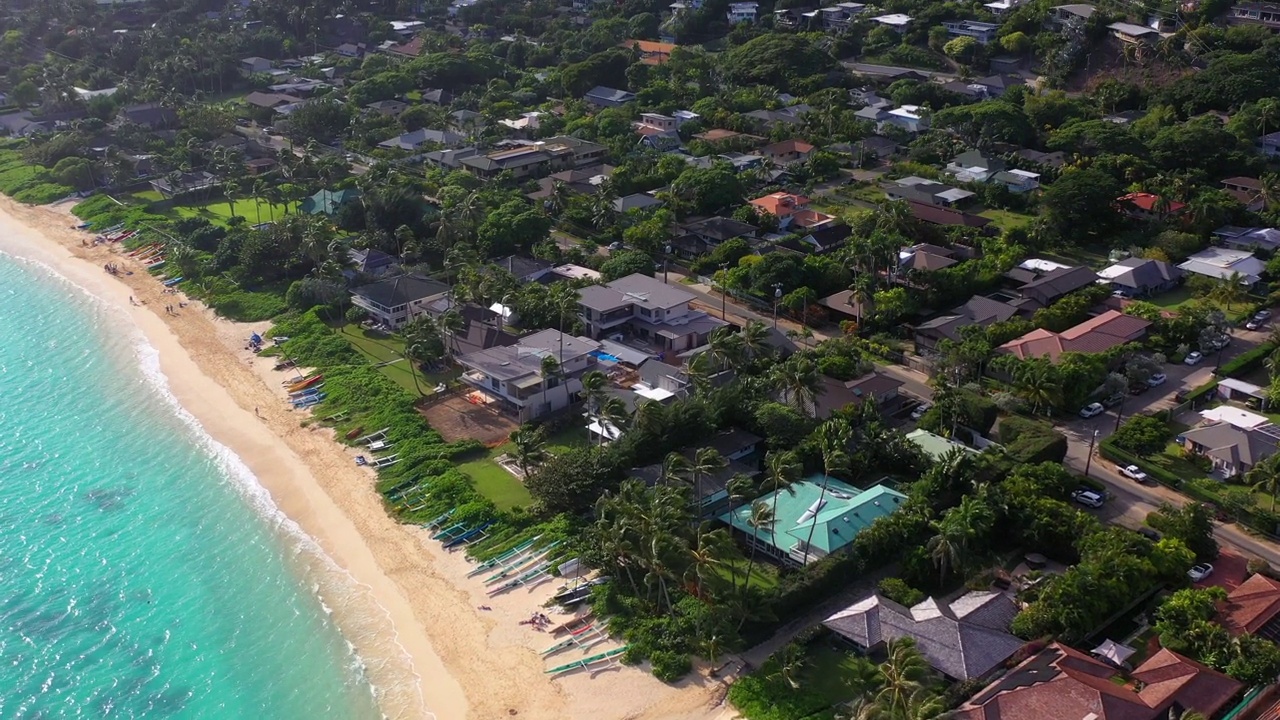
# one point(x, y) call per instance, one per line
point(834, 672)
point(574, 436)
point(1172, 299)
point(495, 483)
point(251, 209)
point(763, 575)
point(381, 348)
point(1171, 459)
point(1006, 219)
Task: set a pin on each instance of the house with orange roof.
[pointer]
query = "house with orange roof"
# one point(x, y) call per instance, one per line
point(1059, 682)
point(651, 53)
point(791, 211)
point(787, 152)
point(410, 50)
point(1148, 206)
point(1253, 607)
point(1095, 335)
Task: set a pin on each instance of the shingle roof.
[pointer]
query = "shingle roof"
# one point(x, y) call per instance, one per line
point(1059, 282)
point(401, 290)
point(963, 640)
point(522, 267)
point(945, 216)
point(634, 289)
point(1232, 444)
point(979, 310)
point(1144, 273)
point(1251, 606)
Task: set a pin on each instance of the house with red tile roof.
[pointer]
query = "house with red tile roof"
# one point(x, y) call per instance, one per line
point(792, 211)
point(1147, 206)
point(1095, 335)
point(1253, 607)
point(407, 50)
point(1059, 682)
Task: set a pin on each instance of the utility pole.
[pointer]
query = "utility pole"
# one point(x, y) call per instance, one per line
point(724, 293)
point(777, 297)
point(1088, 461)
point(665, 259)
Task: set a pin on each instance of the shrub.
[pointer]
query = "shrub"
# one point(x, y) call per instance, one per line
point(670, 666)
point(1032, 441)
point(900, 592)
point(1119, 456)
point(1142, 435)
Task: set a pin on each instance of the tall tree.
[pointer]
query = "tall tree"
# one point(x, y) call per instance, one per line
point(834, 437)
point(528, 447)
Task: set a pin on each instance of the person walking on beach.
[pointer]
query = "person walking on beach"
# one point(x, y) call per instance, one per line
point(255, 412)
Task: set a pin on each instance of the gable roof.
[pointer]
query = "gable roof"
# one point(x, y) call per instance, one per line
point(1096, 334)
point(1251, 606)
point(843, 513)
point(417, 138)
point(633, 289)
point(978, 310)
point(1141, 273)
point(963, 640)
point(609, 95)
point(719, 228)
point(1148, 202)
point(937, 215)
point(270, 100)
point(1061, 281)
point(328, 201)
point(786, 146)
point(781, 204)
point(413, 48)
point(651, 53)
point(1234, 445)
point(1169, 677)
point(522, 267)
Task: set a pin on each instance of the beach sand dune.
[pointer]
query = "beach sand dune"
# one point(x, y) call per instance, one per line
point(418, 626)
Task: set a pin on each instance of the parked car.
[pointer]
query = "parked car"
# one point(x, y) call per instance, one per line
point(615, 245)
point(1088, 498)
point(1200, 572)
point(1262, 315)
point(1193, 358)
point(1111, 401)
point(1221, 342)
point(1133, 472)
point(1157, 380)
point(1091, 410)
point(1255, 324)
point(1149, 533)
point(1138, 388)
point(920, 410)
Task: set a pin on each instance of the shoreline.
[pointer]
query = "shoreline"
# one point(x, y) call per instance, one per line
point(469, 663)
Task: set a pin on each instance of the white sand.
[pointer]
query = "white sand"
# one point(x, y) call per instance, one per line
point(411, 612)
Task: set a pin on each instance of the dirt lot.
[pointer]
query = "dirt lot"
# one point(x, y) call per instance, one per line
point(457, 418)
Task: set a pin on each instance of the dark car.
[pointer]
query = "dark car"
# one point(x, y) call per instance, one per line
point(1139, 388)
point(1149, 534)
point(1111, 401)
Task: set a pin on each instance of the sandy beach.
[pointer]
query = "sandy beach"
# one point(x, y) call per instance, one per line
point(403, 601)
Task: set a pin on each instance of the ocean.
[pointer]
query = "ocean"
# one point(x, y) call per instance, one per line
point(143, 572)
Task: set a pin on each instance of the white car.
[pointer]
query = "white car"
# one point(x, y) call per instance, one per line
point(1157, 379)
point(1133, 472)
point(920, 410)
point(1193, 358)
point(1200, 572)
point(1091, 410)
point(1088, 498)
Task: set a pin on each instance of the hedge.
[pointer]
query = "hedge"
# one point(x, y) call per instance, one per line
point(1032, 441)
point(1108, 450)
point(1201, 391)
point(1246, 361)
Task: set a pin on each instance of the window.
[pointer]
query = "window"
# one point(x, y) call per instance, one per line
point(646, 312)
point(493, 383)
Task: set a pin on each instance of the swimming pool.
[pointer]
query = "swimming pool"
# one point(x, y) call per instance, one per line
point(604, 356)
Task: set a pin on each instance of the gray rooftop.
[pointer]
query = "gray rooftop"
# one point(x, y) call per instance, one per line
point(634, 289)
point(1235, 445)
point(525, 357)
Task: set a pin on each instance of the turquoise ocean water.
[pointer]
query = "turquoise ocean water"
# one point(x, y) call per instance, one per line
point(143, 574)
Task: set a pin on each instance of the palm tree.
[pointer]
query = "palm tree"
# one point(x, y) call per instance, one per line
point(791, 664)
point(1230, 290)
point(594, 393)
point(761, 517)
point(1038, 384)
point(674, 466)
point(834, 437)
point(754, 339)
point(229, 190)
point(708, 553)
point(558, 199)
point(528, 447)
point(1265, 476)
point(798, 381)
point(706, 461)
point(782, 471)
point(451, 324)
point(613, 416)
point(422, 344)
point(903, 675)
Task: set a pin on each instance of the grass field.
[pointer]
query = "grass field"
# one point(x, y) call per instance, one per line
point(495, 483)
point(1173, 298)
point(389, 349)
point(252, 210)
point(763, 575)
point(1006, 219)
point(835, 673)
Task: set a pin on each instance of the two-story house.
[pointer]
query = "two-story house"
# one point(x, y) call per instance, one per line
point(974, 166)
point(792, 211)
point(909, 118)
point(395, 301)
point(645, 310)
point(536, 159)
point(516, 377)
point(837, 17)
point(742, 12)
point(1074, 15)
point(1247, 190)
point(787, 152)
point(1266, 14)
point(984, 33)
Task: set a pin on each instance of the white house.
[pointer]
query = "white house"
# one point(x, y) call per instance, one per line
point(984, 33)
point(1222, 263)
point(513, 379)
point(896, 21)
point(740, 12)
point(395, 301)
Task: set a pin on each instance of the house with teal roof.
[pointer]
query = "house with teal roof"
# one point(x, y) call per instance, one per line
point(835, 518)
point(327, 201)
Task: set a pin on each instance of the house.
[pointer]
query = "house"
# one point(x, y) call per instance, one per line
point(742, 12)
point(717, 135)
point(1095, 335)
point(845, 303)
point(405, 51)
point(1253, 607)
point(513, 378)
point(449, 159)
point(327, 202)
point(395, 301)
point(271, 101)
point(870, 148)
point(523, 269)
point(924, 257)
point(818, 241)
point(945, 217)
point(974, 166)
point(352, 50)
point(1269, 144)
point(1018, 181)
point(604, 97)
point(23, 124)
point(184, 183)
point(1063, 16)
point(423, 137)
point(918, 189)
point(651, 53)
point(767, 119)
point(893, 21)
point(1245, 12)
point(647, 310)
point(535, 159)
point(1248, 238)
point(1233, 450)
point(837, 17)
point(936, 446)
point(525, 124)
point(1059, 682)
point(810, 522)
point(1058, 282)
point(715, 230)
point(636, 201)
point(837, 394)
point(1139, 277)
point(888, 73)
point(979, 311)
point(582, 181)
point(911, 119)
point(1054, 159)
point(258, 166)
point(251, 65)
point(1148, 206)
point(984, 33)
point(152, 116)
point(1133, 34)
point(436, 96)
point(791, 211)
point(570, 271)
point(388, 108)
point(787, 152)
point(734, 445)
point(370, 261)
point(1247, 190)
point(1222, 263)
point(963, 640)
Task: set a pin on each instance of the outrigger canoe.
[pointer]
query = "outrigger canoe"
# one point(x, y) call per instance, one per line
point(588, 661)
